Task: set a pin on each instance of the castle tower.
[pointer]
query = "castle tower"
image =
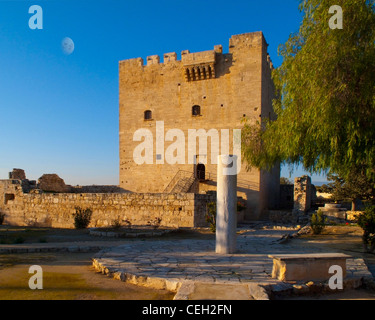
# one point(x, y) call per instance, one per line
point(210, 91)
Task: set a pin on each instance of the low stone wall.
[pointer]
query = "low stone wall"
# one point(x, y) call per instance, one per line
point(56, 210)
point(98, 189)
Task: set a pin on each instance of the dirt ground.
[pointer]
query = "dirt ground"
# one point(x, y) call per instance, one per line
point(66, 276)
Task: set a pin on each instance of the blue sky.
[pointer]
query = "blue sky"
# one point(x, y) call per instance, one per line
point(59, 112)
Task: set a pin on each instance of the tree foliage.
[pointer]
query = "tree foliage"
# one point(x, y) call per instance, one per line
point(284, 180)
point(355, 186)
point(325, 103)
point(367, 222)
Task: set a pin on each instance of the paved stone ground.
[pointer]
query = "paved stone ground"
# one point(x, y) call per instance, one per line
point(168, 264)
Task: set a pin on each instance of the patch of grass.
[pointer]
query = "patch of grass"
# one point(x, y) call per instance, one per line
point(12, 240)
point(8, 260)
point(19, 240)
point(18, 235)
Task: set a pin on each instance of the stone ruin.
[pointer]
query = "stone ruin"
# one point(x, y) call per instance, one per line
point(17, 174)
point(302, 194)
point(52, 183)
point(296, 200)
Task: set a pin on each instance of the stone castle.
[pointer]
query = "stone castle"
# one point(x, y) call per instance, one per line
point(209, 92)
point(204, 90)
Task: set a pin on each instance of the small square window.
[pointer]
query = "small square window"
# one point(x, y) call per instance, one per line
point(196, 111)
point(148, 115)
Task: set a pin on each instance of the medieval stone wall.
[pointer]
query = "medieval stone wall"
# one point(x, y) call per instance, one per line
point(56, 210)
point(227, 87)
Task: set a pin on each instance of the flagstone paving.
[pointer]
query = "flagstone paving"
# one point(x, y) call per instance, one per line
point(167, 263)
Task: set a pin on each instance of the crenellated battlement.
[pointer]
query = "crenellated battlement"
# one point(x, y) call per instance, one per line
point(247, 40)
point(201, 65)
point(170, 57)
point(135, 62)
point(155, 59)
point(187, 58)
point(269, 61)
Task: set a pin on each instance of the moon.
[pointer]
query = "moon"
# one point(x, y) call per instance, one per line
point(67, 45)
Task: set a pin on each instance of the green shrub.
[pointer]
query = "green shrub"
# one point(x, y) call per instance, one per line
point(318, 222)
point(366, 221)
point(116, 224)
point(240, 206)
point(82, 218)
point(19, 240)
point(2, 217)
point(211, 215)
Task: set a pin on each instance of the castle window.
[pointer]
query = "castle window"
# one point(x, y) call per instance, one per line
point(196, 111)
point(8, 197)
point(148, 115)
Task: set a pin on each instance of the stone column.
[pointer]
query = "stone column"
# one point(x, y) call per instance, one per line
point(226, 204)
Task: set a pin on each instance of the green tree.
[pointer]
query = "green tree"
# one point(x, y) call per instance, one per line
point(284, 180)
point(325, 103)
point(367, 222)
point(324, 188)
point(356, 186)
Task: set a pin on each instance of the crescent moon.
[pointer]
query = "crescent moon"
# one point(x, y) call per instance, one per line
point(67, 45)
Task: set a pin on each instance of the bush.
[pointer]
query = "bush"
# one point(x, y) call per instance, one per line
point(211, 215)
point(2, 217)
point(116, 224)
point(19, 240)
point(240, 206)
point(127, 223)
point(154, 223)
point(318, 222)
point(82, 218)
point(366, 221)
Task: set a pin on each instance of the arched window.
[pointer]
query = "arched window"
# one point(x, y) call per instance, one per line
point(196, 111)
point(148, 115)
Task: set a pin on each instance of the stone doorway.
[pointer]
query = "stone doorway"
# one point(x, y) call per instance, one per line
point(201, 171)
